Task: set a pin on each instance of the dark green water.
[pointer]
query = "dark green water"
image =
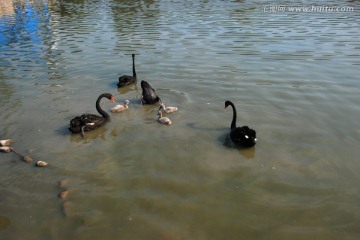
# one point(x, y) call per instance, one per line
point(294, 78)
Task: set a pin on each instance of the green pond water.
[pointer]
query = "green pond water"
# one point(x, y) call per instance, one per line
point(293, 76)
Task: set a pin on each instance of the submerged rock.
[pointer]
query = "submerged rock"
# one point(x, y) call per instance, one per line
point(4, 222)
point(63, 183)
point(66, 208)
point(65, 194)
point(27, 159)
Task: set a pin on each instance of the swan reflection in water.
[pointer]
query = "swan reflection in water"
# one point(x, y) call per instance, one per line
point(104, 133)
point(246, 152)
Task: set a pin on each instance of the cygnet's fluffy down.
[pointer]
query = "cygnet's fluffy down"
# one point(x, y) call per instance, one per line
point(167, 109)
point(120, 108)
point(163, 120)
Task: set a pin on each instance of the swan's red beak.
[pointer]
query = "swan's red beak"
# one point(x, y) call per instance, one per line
point(112, 99)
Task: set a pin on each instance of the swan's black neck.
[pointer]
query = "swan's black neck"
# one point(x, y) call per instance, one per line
point(133, 67)
point(233, 123)
point(99, 109)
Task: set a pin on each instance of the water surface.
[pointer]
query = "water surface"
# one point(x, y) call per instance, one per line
point(294, 78)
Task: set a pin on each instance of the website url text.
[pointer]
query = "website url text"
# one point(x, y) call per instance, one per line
point(309, 9)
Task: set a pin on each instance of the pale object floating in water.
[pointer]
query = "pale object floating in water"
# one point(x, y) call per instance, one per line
point(120, 108)
point(163, 120)
point(5, 149)
point(167, 109)
point(41, 164)
point(6, 142)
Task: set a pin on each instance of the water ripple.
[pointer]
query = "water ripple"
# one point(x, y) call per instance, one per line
point(292, 76)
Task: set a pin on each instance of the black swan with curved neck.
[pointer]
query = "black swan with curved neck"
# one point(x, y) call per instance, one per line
point(125, 79)
point(148, 94)
point(88, 122)
point(241, 136)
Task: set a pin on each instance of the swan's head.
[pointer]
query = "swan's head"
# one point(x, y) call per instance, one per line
point(162, 106)
point(108, 96)
point(127, 102)
point(144, 84)
point(227, 103)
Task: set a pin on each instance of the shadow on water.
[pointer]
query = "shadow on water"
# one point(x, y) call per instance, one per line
point(63, 130)
point(99, 133)
point(126, 89)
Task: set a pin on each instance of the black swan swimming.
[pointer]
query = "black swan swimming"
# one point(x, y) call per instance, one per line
point(125, 79)
point(241, 136)
point(148, 94)
point(88, 122)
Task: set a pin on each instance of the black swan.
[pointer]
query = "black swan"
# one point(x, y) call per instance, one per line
point(88, 122)
point(125, 79)
point(241, 136)
point(148, 94)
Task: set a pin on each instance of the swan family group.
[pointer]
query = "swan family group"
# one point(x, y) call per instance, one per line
point(240, 136)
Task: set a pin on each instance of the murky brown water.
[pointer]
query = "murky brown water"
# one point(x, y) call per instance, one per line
point(294, 77)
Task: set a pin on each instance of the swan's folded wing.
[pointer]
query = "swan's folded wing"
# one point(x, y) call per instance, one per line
point(92, 119)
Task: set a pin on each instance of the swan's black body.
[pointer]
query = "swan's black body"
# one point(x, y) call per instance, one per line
point(88, 122)
point(148, 94)
point(241, 136)
point(125, 79)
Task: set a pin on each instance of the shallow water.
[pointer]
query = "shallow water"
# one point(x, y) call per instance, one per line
point(294, 78)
